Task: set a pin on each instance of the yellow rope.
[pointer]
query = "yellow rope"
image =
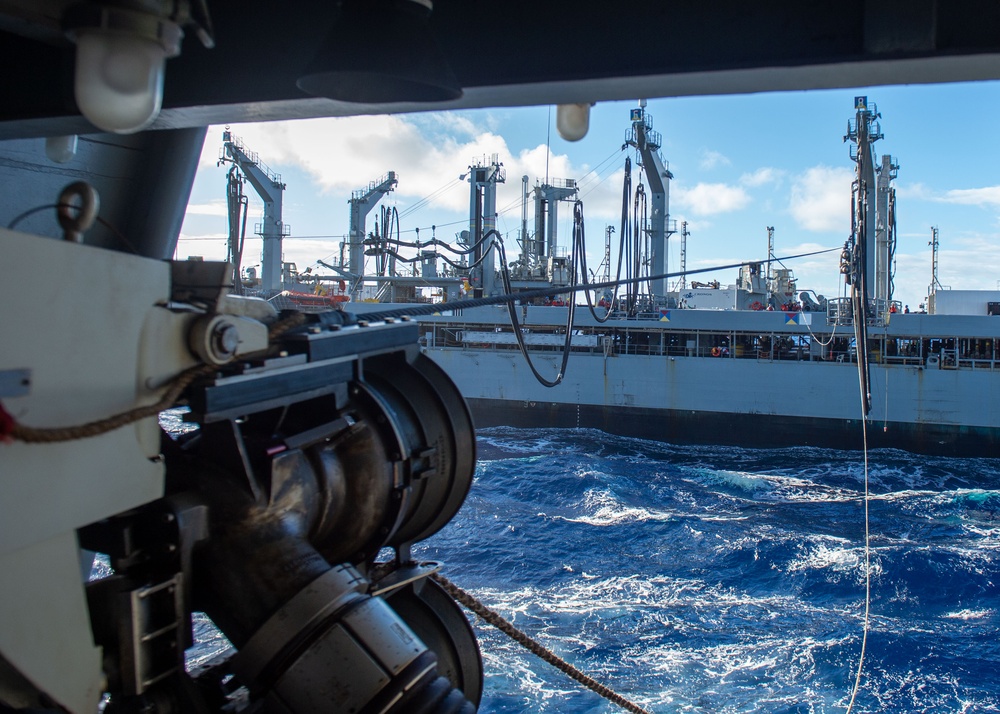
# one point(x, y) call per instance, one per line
point(495, 619)
point(50, 435)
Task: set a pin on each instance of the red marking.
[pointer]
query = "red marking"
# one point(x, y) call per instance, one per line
point(7, 424)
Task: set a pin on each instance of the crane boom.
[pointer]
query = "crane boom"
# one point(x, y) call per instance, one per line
point(269, 187)
point(646, 142)
point(362, 202)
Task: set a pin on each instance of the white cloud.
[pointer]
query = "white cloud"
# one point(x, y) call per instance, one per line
point(428, 153)
point(212, 208)
point(761, 176)
point(915, 191)
point(985, 196)
point(707, 199)
point(988, 195)
point(712, 159)
point(965, 263)
point(821, 199)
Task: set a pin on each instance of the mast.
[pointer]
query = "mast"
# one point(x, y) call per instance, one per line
point(885, 197)
point(863, 133)
point(483, 180)
point(646, 142)
point(547, 198)
point(606, 275)
point(935, 283)
point(769, 277)
point(684, 250)
point(527, 249)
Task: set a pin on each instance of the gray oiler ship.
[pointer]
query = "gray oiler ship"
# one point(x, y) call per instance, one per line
point(733, 377)
point(759, 363)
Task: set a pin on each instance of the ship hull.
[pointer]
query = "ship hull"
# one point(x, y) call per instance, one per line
point(756, 403)
point(745, 430)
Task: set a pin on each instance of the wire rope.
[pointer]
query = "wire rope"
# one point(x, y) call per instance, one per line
point(469, 303)
point(868, 569)
point(859, 303)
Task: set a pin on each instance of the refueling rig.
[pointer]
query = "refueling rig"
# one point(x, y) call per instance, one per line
point(321, 440)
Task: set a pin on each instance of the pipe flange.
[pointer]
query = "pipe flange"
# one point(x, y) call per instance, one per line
point(310, 607)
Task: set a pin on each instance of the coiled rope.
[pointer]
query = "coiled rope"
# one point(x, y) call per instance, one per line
point(498, 621)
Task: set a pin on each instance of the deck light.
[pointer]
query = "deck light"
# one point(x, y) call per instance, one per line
point(572, 121)
point(121, 50)
point(120, 54)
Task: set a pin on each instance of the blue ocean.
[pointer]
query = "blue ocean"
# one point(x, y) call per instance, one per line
point(719, 579)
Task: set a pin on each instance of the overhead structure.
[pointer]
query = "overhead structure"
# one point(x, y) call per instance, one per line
point(269, 187)
point(362, 202)
point(733, 47)
point(647, 142)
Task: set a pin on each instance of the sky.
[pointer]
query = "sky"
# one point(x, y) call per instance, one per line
point(740, 163)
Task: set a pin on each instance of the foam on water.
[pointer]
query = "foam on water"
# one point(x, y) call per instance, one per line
point(714, 579)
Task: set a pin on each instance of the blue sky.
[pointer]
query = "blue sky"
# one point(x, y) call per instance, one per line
point(740, 163)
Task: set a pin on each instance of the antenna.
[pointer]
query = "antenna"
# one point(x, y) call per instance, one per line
point(934, 244)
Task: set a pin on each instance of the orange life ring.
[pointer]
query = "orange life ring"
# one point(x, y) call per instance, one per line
point(716, 352)
point(756, 305)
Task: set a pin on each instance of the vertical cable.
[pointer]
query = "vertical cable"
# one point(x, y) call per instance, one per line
point(868, 578)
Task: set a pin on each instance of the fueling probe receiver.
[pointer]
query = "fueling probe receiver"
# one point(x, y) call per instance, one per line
point(318, 445)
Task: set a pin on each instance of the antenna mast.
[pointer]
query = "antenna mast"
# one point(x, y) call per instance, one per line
point(684, 252)
point(935, 283)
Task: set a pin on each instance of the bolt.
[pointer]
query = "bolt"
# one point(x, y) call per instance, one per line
point(225, 340)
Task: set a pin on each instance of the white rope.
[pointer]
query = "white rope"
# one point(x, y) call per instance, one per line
point(868, 579)
point(868, 570)
point(818, 340)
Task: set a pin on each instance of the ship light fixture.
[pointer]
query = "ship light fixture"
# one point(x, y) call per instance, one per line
point(120, 57)
point(412, 68)
point(572, 121)
point(61, 149)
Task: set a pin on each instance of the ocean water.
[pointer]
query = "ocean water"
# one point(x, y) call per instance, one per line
point(720, 579)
